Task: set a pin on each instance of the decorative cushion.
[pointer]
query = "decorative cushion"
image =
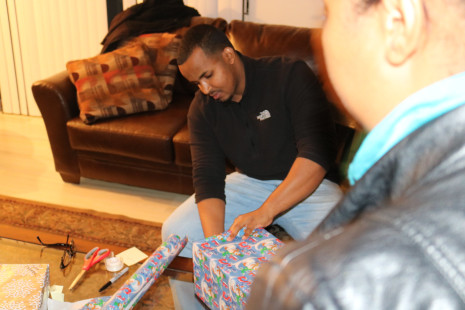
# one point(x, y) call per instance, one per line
point(163, 50)
point(124, 81)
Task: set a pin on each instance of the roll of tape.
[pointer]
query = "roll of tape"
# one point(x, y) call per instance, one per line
point(114, 264)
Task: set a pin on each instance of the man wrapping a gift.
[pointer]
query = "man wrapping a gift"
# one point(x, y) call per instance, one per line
point(270, 118)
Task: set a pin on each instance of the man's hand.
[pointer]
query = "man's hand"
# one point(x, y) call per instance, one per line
point(252, 220)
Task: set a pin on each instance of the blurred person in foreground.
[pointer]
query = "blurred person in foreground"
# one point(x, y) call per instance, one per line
point(396, 241)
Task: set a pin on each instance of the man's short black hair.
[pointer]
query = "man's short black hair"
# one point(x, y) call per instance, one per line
point(209, 38)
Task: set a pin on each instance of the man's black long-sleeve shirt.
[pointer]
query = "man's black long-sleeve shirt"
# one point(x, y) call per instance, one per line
point(283, 114)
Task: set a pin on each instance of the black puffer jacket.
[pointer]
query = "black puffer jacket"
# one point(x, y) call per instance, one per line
point(396, 241)
point(148, 17)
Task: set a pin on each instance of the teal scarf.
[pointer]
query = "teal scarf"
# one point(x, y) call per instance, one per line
point(412, 113)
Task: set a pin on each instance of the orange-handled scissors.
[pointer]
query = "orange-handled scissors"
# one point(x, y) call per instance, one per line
point(92, 257)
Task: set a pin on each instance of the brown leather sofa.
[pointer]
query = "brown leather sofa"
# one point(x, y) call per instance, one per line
point(152, 149)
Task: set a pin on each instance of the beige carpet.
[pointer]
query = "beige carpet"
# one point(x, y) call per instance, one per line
point(24, 220)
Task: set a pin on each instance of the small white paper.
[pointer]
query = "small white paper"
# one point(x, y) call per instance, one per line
point(132, 256)
point(56, 292)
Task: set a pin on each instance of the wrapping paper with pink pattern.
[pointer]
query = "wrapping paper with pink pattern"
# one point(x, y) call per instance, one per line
point(224, 270)
point(136, 286)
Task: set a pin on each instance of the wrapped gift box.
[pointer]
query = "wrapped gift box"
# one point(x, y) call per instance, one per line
point(224, 271)
point(24, 286)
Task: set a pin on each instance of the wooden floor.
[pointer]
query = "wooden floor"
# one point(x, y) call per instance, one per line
point(27, 171)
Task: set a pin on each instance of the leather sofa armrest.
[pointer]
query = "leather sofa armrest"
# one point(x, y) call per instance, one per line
point(57, 102)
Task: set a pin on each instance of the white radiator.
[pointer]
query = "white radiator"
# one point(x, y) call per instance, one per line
point(38, 37)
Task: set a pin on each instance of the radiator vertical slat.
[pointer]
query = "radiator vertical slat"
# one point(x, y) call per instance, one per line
point(18, 78)
point(10, 98)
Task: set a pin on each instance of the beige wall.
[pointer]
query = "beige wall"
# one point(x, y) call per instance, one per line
point(302, 13)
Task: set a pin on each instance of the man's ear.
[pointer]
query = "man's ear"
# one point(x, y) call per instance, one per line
point(404, 26)
point(229, 55)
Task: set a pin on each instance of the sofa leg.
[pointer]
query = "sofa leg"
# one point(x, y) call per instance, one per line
point(70, 178)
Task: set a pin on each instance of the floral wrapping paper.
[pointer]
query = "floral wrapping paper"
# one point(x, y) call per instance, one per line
point(24, 286)
point(135, 287)
point(224, 271)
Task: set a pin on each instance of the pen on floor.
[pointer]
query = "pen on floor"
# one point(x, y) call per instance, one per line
point(113, 280)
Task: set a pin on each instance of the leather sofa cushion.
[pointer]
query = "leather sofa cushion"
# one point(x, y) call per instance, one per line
point(146, 136)
point(182, 148)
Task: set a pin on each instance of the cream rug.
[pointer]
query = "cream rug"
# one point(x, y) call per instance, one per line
point(25, 220)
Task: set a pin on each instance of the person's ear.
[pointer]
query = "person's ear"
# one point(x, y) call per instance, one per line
point(229, 55)
point(404, 26)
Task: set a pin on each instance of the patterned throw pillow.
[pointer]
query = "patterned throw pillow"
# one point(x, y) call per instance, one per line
point(163, 50)
point(125, 81)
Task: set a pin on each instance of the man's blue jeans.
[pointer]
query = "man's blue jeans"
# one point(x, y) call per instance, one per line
point(243, 195)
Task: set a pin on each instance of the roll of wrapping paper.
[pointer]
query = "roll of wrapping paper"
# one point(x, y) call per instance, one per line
point(135, 287)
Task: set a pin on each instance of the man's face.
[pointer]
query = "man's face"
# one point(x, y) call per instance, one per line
point(213, 74)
